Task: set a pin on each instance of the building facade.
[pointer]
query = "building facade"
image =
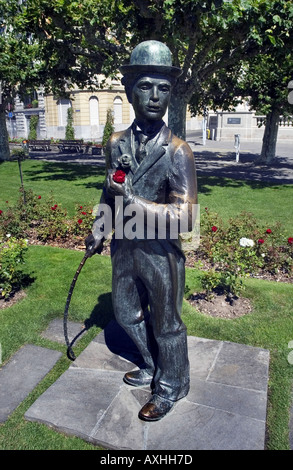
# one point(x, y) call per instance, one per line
point(90, 112)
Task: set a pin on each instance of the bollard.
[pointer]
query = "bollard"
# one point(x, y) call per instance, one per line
point(290, 95)
point(237, 146)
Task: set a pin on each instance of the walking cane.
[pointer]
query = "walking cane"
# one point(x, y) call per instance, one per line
point(70, 353)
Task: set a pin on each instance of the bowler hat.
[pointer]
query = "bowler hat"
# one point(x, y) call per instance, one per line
point(152, 57)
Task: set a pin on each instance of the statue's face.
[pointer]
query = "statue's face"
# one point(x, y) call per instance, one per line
point(150, 97)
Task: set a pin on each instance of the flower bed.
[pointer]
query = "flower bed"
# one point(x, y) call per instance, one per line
point(42, 220)
point(242, 247)
point(227, 252)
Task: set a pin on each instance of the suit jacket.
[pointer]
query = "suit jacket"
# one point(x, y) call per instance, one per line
point(165, 181)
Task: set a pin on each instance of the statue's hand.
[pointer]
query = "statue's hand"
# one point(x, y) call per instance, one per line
point(93, 245)
point(119, 189)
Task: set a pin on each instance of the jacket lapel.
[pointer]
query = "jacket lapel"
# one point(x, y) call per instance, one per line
point(153, 156)
point(125, 148)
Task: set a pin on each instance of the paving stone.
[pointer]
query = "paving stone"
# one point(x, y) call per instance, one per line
point(98, 356)
point(225, 408)
point(120, 425)
point(197, 427)
point(250, 403)
point(76, 401)
point(241, 366)
point(55, 330)
point(27, 367)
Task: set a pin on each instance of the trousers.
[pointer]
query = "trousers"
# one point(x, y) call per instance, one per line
point(148, 279)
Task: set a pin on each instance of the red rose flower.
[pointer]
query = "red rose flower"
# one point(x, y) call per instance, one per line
point(290, 240)
point(119, 176)
point(83, 213)
point(39, 197)
point(79, 221)
point(269, 230)
point(214, 228)
point(260, 241)
point(1, 212)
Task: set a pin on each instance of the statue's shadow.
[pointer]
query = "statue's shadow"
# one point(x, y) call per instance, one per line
point(116, 339)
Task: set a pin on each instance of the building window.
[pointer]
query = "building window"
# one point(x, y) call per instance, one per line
point(118, 110)
point(63, 105)
point(94, 111)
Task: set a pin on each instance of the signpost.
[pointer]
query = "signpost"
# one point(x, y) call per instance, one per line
point(204, 126)
point(290, 96)
point(237, 146)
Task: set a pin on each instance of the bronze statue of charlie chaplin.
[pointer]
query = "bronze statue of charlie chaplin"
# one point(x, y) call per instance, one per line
point(148, 269)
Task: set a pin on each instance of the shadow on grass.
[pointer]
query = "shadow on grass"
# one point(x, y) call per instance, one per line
point(247, 170)
point(65, 171)
point(207, 182)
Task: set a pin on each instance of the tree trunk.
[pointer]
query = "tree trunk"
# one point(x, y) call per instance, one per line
point(4, 143)
point(268, 151)
point(177, 114)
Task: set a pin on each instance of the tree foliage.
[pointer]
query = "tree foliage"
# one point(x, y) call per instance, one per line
point(71, 42)
point(33, 127)
point(109, 127)
point(69, 130)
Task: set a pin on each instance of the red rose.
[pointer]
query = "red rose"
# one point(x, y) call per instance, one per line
point(290, 240)
point(260, 241)
point(1, 212)
point(119, 176)
point(39, 197)
point(269, 230)
point(79, 221)
point(83, 213)
point(214, 228)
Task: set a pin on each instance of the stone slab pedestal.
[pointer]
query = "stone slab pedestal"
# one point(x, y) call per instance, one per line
point(224, 410)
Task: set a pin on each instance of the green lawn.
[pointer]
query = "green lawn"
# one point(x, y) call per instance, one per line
point(268, 202)
point(70, 184)
point(73, 184)
point(269, 326)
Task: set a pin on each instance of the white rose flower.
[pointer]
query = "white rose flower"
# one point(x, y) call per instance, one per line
point(246, 242)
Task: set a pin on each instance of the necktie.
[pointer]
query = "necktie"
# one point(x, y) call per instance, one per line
point(141, 151)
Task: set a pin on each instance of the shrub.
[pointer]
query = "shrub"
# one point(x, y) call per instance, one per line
point(33, 127)
point(69, 131)
point(11, 260)
point(83, 222)
point(240, 248)
point(109, 127)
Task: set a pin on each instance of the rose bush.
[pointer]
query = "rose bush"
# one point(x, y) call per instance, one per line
point(43, 219)
point(241, 247)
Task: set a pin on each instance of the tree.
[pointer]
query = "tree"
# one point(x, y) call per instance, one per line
point(266, 86)
point(109, 127)
point(69, 131)
point(75, 41)
point(261, 80)
point(19, 66)
point(33, 127)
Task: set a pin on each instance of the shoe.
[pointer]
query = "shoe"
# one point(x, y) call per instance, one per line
point(138, 378)
point(156, 408)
